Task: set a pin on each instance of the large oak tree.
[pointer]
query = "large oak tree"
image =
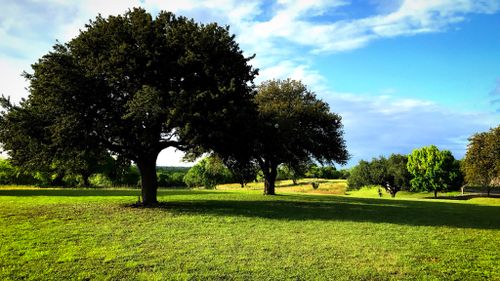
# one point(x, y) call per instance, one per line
point(293, 128)
point(136, 84)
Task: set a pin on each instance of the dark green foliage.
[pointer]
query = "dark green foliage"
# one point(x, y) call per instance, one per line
point(313, 171)
point(294, 127)
point(292, 172)
point(433, 170)
point(112, 174)
point(481, 164)
point(390, 173)
point(128, 176)
point(345, 174)
point(209, 172)
point(171, 176)
point(399, 175)
point(360, 175)
point(243, 170)
point(326, 172)
point(35, 145)
point(134, 85)
point(12, 175)
point(315, 185)
point(329, 172)
point(309, 170)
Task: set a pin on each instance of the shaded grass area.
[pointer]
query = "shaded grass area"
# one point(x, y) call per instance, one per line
point(94, 234)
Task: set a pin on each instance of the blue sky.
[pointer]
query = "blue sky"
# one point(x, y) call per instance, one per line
point(402, 74)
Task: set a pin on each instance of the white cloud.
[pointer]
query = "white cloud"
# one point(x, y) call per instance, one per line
point(11, 82)
point(295, 70)
point(286, 37)
point(495, 94)
point(380, 125)
point(293, 21)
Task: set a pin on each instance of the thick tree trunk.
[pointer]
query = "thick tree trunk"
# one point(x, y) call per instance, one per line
point(85, 178)
point(270, 180)
point(489, 189)
point(435, 194)
point(149, 182)
point(58, 181)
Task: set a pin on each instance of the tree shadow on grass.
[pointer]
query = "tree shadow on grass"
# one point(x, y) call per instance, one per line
point(340, 208)
point(466, 196)
point(76, 192)
point(305, 207)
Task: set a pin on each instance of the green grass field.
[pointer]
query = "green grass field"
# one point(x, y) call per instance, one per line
point(234, 233)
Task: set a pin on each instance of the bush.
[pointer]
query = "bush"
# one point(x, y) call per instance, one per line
point(129, 176)
point(326, 172)
point(11, 175)
point(209, 172)
point(315, 184)
point(171, 179)
point(360, 176)
point(100, 180)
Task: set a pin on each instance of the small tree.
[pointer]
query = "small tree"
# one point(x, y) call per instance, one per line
point(360, 175)
point(313, 171)
point(432, 170)
point(293, 172)
point(209, 172)
point(244, 171)
point(389, 173)
point(481, 164)
point(399, 178)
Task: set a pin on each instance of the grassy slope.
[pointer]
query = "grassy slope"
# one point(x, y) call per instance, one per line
point(240, 234)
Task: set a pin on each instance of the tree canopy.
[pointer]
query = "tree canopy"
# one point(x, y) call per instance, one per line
point(208, 172)
point(432, 169)
point(34, 143)
point(294, 127)
point(390, 173)
point(134, 85)
point(481, 164)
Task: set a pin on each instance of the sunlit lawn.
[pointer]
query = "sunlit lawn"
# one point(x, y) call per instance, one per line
point(236, 233)
point(303, 185)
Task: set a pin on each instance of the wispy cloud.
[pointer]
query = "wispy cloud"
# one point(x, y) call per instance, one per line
point(287, 37)
point(382, 125)
point(294, 21)
point(495, 94)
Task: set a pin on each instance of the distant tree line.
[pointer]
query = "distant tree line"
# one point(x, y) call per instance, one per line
point(425, 169)
point(211, 171)
point(433, 170)
point(208, 172)
point(111, 174)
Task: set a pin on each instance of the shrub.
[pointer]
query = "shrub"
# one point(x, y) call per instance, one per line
point(315, 184)
point(209, 172)
point(100, 180)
